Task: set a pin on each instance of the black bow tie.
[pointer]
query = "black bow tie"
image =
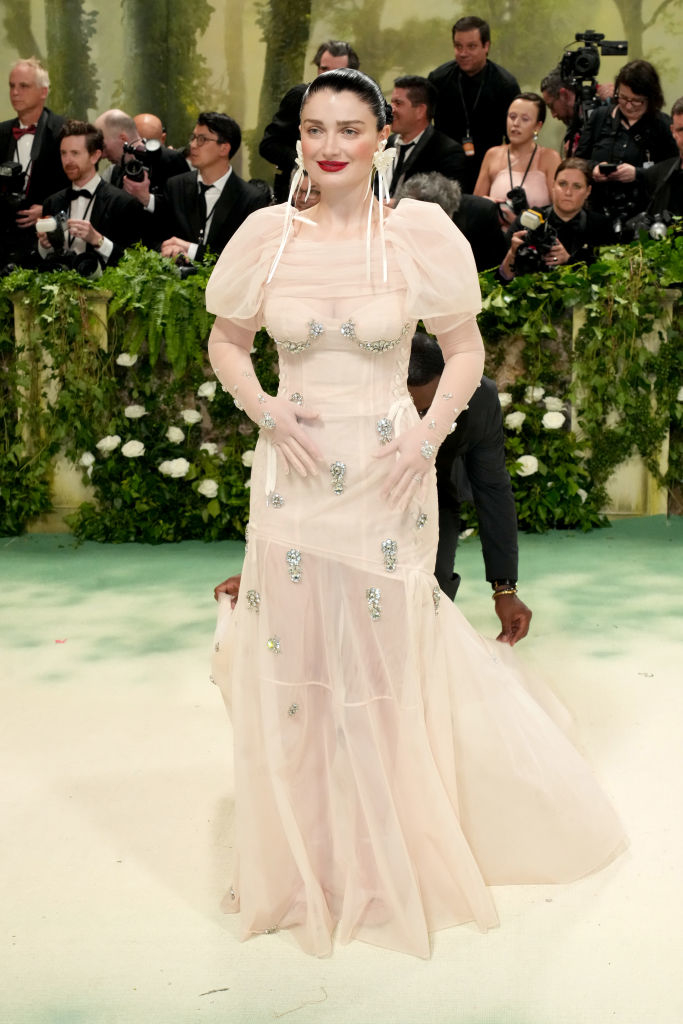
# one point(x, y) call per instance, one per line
point(75, 193)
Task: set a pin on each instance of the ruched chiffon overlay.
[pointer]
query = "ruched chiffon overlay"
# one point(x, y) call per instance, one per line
point(390, 763)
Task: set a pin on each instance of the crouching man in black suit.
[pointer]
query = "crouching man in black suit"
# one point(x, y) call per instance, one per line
point(471, 464)
point(203, 209)
point(100, 219)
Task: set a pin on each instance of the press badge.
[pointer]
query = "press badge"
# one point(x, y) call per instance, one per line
point(468, 145)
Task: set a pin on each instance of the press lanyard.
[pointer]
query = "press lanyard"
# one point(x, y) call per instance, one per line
point(476, 99)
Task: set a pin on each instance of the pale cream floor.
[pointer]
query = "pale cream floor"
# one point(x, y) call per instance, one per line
point(116, 797)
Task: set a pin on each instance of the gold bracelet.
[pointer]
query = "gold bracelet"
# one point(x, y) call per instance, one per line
point(503, 593)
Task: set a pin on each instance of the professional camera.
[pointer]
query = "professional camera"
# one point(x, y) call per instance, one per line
point(11, 184)
point(579, 68)
point(186, 268)
point(87, 264)
point(142, 156)
point(516, 200)
point(540, 238)
point(53, 227)
point(656, 225)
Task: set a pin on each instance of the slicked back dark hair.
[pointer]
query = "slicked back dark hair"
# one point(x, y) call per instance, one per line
point(93, 136)
point(337, 48)
point(426, 360)
point(532, 97)
point(419, 90)
point(351, 80)
point(677, 107)
point(224, 126)
point(471, 22)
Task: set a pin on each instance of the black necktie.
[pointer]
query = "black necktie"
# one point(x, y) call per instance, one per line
point(203, 189)
point(400, 160)
point(75, 193)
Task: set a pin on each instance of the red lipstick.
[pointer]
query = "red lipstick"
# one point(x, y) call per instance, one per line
point(331, 165)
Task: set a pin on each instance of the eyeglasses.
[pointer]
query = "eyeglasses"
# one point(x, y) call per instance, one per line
point(201, 139)
point(631, 101)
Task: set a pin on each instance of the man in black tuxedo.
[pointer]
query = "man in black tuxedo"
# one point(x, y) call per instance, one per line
point(664, 181)
point(473, 95)
point(204, 208)
point(278, 145)
point(473, 454)
point(102, 219)
point(31, 139)
point(476, 216)
point(421, 148)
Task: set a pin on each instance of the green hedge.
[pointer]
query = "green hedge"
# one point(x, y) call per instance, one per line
point(156, 366)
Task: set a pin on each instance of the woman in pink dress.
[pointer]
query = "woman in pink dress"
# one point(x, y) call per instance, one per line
point(390, 763)
point(521, 163)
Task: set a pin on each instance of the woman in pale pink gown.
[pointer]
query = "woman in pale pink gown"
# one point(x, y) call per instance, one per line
point(390, 763)
point(521, 163)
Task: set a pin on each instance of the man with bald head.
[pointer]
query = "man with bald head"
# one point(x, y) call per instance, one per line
point(31, 141)
point(118, 130)
point(150, 126)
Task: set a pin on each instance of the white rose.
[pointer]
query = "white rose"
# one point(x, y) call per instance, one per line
point(553, 420)
point(133, 449)
point(528, 464)
point(108, 443)
point(679, 396)
point(533, 394)
point(209, 488)
point(126, 359)
point(247, 483)
point(86, 459)
point(207, 390)
point(553, 404)
point(504, 398)
point(191, 415)
point(134, 412)
point(175, 435)
point(248, 457)
point(582, 494)
point(209, 447)
point(174, 467)
point(514, 420)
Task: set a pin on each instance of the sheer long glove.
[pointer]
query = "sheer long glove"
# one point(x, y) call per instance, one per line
point(415, 449)
point(280, 420)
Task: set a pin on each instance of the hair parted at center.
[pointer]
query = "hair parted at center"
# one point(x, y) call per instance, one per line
point(351, 80)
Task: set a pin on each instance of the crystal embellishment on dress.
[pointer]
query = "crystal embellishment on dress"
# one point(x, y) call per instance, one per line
point(297, 398)
point(293, 558)
point(253, 600)
point(436, 598)
point(273, 644)
point(447, 394)
point(275, 500)
point(315, 330)
point(427, 450)
point(421, 520)
point(262, 399)
point(385, 430)
point(338, 472)
point(233, 894)
point(373, 597)
point(292, 710)
point(348, 329)
point(390, 552)
point(432, 424)
point(216, 647)
point(267, 422)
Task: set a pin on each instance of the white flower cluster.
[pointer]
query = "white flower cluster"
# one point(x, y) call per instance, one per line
point(248, 458)
point(175, 435)
point(108, 444)
point(553, 420)
point(514, 420)
point(208, 488)
point(133, 449)
point(505, 398)
point(528, 465)
point(207, 390)
point(174, 467)
point(126, 359)
point(134, 412)
point(191, 416)
point(533, 394)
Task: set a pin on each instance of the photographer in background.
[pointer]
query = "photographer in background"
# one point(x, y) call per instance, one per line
point(138, 165)
point(561, 100)
point(29, 152)
point(664, 181)
point(619, 139)
point(566, 232)
point(92, 217)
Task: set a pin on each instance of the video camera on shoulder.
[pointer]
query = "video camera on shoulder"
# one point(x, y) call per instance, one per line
point(580, 67)
point(142, 156)
point(540, 238)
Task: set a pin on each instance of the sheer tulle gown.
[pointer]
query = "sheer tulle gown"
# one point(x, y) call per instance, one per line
point(390, 763)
